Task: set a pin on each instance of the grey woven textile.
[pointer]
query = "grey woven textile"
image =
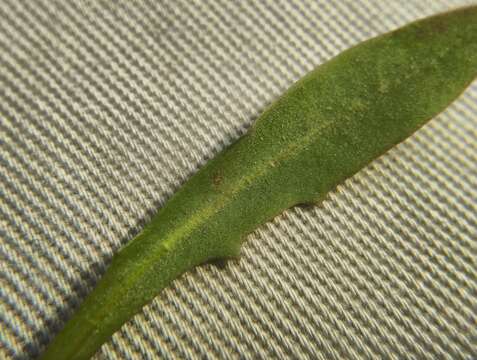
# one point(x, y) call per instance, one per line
point(107, 107)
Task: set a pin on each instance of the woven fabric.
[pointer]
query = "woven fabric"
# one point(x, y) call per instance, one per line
point(107, 107)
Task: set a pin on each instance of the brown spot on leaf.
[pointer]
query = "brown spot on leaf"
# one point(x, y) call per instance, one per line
point(438, 26)
point(217, 179)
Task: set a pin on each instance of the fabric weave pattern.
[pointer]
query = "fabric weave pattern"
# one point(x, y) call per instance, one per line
point(107, 107)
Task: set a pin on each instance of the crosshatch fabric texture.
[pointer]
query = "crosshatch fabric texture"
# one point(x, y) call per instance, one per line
point(107, 107)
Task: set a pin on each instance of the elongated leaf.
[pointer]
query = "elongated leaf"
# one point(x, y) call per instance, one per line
point(324, 129)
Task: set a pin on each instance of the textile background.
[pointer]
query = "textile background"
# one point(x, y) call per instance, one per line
point(107, 107)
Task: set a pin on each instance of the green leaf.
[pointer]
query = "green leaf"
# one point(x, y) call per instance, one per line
point(324, 129)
